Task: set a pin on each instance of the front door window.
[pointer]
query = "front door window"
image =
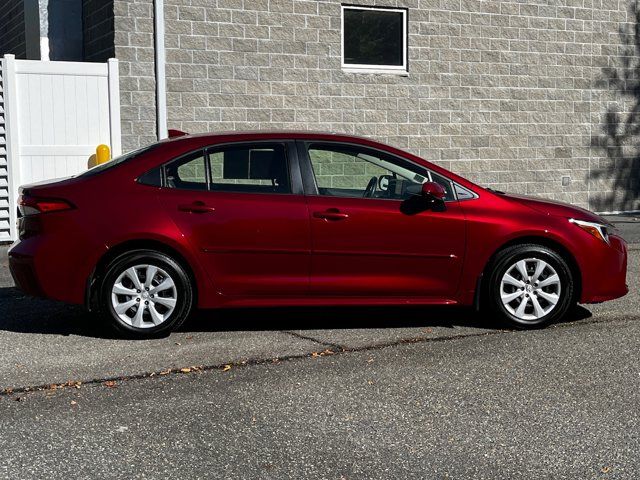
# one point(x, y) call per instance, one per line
point(352, 172)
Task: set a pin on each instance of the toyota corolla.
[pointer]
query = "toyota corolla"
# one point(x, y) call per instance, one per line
point(292, 218)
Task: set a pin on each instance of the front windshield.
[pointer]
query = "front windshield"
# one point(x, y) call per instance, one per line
point(117, 161)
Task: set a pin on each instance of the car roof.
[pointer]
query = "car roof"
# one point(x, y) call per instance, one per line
point(293, 134)
point(239, 136)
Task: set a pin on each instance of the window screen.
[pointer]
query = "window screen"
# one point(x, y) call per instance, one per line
point(374, 37)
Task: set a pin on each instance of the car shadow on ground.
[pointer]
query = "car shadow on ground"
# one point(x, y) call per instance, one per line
point(23, 314)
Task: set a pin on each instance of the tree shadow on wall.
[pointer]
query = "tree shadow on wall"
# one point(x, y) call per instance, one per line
point(619, 136)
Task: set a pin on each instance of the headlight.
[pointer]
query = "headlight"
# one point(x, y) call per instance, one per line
point(598, 230)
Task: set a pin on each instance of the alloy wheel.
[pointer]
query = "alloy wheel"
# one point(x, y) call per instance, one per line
point(530, 289)
point(144, 296)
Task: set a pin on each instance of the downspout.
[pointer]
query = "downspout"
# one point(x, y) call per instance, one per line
point(160, 61)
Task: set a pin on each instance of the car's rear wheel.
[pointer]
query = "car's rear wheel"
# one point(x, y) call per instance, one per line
point(530, 286)
point(146, 293)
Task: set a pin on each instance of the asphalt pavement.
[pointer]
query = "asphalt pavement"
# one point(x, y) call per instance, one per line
point(628, 224)
point(322, 393)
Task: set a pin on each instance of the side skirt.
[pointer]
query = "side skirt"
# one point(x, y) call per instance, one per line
point(331, 301)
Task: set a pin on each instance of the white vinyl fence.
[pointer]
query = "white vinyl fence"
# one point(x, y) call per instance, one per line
point(53, 115)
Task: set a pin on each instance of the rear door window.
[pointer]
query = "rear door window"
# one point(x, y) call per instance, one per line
point(259, 168)
point(188, 172)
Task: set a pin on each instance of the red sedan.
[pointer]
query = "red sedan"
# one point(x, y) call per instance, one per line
point(291, 218)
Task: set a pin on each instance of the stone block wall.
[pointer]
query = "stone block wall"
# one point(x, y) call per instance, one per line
point(512, 94)
point(134, 48)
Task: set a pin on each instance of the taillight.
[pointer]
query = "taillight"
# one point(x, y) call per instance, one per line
point(28, 205)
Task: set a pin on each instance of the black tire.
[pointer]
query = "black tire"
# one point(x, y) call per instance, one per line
point(505, 261)
point(183, 292)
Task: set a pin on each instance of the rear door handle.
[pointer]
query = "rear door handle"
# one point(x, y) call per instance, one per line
point(195, 207)
point(331, 214)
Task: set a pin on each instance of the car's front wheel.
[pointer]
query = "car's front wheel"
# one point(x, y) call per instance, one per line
point(530, 286)
point(146, 293)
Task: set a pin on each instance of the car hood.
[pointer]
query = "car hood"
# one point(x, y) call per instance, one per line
point(556, 209)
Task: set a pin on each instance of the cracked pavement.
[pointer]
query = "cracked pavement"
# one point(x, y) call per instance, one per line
point(321, 393)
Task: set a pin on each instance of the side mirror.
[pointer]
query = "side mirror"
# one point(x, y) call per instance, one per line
point(384, 181)
point(433, 190)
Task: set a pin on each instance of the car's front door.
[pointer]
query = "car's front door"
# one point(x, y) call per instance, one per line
point(372, 232)
point(241, 206)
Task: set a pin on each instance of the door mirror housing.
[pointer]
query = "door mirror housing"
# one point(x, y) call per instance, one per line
point(433, 190)
point(384, 181)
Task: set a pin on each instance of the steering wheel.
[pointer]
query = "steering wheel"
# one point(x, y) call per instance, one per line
point(372, 186)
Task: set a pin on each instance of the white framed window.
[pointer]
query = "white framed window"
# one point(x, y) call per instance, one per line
point(374, 39)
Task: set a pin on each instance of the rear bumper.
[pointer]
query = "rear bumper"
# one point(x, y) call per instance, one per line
point(605, 272)
point(46, 269)
point(24, 275)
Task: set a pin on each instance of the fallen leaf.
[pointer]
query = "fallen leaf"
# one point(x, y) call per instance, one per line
point(165, 372)
point(185, 370)
point(226, 368)
point(73, 402)
point(606, 469)
point(110, 384)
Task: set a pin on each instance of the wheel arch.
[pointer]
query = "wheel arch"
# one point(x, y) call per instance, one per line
point(94, 282)
point(550, 243)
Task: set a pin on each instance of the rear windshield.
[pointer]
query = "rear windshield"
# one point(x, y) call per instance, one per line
point(117, 161)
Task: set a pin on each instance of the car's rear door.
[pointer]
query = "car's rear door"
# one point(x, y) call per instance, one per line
point(241, 206)
point(381, 243)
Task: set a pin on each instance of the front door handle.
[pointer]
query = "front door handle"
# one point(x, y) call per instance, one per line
point(331, 214)
point(195, 207)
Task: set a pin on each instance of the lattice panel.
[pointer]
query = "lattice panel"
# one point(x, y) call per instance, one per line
point(5, 231)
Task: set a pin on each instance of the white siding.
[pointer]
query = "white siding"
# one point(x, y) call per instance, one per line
point(60, 113)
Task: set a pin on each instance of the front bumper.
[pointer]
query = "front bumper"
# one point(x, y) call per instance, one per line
point(605, 272)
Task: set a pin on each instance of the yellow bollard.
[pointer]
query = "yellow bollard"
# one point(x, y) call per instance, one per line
point(103, 154)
